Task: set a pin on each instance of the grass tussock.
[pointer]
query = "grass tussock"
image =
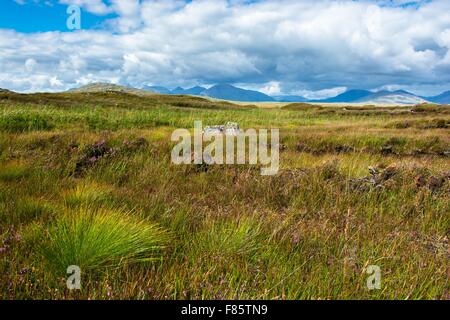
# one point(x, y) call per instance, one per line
point(420, 124)
point(229, 238)
point(13, 171)
point(431, 108)
point(89, 193)
point(99, 238)
point(28, 210)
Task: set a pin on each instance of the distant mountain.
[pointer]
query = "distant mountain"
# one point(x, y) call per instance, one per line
point(229, 92)
point(443, 98)
point(219, 91)
point(157, 89)
point(109, 87)
point(391, 97)
point(289, 98)
point(196, 91)
point(348, 96)
point(5, 90)
point(177, 90)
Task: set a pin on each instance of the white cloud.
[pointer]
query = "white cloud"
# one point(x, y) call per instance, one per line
point(322, 94)
point(93, 6)
point(30, 64)
point(271, 88)
point(283, 46)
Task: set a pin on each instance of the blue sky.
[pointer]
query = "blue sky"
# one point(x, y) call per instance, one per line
point(41, 16)
point(306, 47)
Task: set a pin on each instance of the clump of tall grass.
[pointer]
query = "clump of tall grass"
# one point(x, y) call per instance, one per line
point(21, 122)
point(100, 238)
point(88, 193)
point(29, 209)
point(230, 238)
point(13, 171)
point(301, 106)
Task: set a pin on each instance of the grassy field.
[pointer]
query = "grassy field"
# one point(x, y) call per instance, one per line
point(86, 179)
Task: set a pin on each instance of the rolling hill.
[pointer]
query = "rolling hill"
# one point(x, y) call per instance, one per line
point(109, 87)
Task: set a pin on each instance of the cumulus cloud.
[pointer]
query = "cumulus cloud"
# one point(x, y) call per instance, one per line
point(93, 6)
point(316, 48)
point(271, 88)
point(30, 64)
point(321, 94)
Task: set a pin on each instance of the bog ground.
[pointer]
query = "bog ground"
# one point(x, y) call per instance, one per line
point(86, 179)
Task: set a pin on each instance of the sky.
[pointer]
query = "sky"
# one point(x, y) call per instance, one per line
point(314, 48)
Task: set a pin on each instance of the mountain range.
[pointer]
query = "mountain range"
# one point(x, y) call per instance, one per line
point(229, 92)
point(233, 93)
point(379, 97)
point(219, 91)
